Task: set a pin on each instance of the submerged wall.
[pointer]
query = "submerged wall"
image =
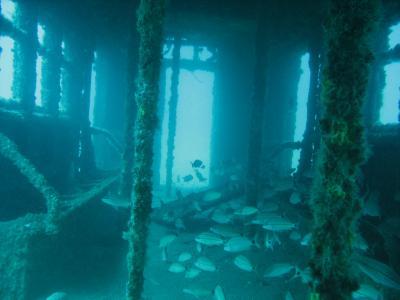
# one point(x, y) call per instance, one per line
point(231, 111)
point(281, 106)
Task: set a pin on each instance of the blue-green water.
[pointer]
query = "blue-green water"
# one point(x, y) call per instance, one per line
point(235, 219)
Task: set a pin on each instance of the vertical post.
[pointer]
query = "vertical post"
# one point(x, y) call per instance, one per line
point(280, 114)
point(86, 153)
point(126, 184)
point(72, 78)
point(220, 115)
point(289, 82)
point(157, 142)
point(172, 105)
point(336, 204)
point(51, 90)
point(111, 67)
point(309, 138)
point(257, 112)
point(25, 56)
point(150, 26)
point(230, 114)
point(216, 121)
point(76, 97)
point(378, 79)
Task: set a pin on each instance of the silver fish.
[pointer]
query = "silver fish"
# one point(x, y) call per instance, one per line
point(246, 211)
point(176, 268)
point(192, 273)
point(204, 264)
point(243, 263)
point(218, 293)
point(221, 217)
point(225, 230)
point(367, 292)
point(305, 241)
point(279, 224)
point(117, 202)
point(209, 239)
point(278, 270)
point(237, 244)
point(262, 217)
point(57, 296)
point(184, 256)
point(237, 203)
point(289, 296)
point(378, 272)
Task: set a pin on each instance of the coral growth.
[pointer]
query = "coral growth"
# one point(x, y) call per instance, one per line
point(150, 25)
point(9, 150)
point(336, 204)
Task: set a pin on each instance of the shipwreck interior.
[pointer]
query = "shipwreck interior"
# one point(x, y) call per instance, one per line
point(118, 117)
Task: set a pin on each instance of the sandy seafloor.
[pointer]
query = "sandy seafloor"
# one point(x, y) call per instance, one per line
point(236, 284)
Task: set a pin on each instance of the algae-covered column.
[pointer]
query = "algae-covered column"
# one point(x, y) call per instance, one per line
point(336, 204)
point(51, 88)
point(24, 84)
point(257, 112)
point(172, 105)
point(309, 138)
point(149, 24)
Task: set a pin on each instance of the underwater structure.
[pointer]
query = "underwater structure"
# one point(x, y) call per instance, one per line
point(336, 202)
point(150, 24)
point(154, 149)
